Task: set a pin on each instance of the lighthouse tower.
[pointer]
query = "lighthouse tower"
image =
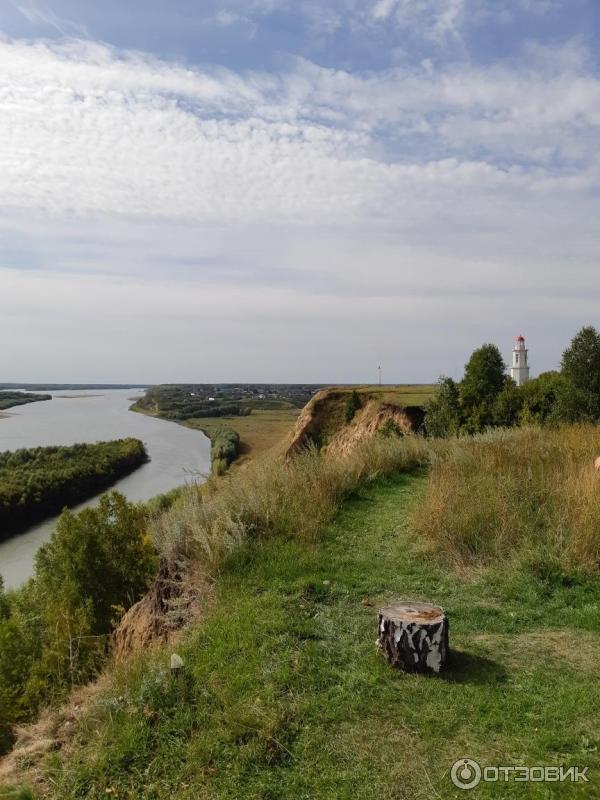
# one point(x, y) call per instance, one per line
point(520, 366)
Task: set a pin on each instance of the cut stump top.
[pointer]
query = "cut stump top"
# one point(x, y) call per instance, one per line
point(420, 613)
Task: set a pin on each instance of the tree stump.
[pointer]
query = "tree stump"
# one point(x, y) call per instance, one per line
point(414, 636)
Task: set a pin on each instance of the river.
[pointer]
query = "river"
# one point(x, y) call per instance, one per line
point(177, 455)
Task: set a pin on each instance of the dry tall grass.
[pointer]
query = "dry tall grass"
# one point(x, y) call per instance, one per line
point(521, 495)
point(529, 495)
point(270, 498)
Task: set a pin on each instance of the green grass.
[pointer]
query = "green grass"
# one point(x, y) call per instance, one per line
point(284, 695)
point(409, 394)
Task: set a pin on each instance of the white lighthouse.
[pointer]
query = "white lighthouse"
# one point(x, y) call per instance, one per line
point(520, 366)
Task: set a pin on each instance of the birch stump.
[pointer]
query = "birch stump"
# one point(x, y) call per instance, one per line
point(414, 636)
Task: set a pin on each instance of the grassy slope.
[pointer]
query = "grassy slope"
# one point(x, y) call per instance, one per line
point(285, 696)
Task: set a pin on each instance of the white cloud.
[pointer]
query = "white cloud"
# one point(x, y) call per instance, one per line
point(440, 21)
point(435, 19)
point(252, 211)
point(307, 146)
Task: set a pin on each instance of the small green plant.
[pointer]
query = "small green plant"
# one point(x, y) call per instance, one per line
point(390, 429)
point(20, 793)
point(352, 405)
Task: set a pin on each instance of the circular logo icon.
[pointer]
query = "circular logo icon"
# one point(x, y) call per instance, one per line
point(465, 773)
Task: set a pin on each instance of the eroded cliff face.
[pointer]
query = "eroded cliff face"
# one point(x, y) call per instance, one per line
point(323, 423)
point(176, 596)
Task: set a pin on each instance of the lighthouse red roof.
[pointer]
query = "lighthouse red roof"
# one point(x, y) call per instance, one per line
point(520, 338)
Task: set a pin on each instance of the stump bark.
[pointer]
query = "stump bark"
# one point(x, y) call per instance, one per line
point(414, 636)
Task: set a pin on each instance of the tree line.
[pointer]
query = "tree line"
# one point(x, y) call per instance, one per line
point(488, 397)
point(38, 482)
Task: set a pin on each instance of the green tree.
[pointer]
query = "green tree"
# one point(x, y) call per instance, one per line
point(444, 415)
point(507, 405)
point(54, 629)
point(4, 604)
point(100, 557)
point(540, 396)
point(484, 378)
point(15, 661)
point(581, 370)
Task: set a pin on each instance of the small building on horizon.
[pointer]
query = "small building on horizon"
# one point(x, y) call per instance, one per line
point(520, 364)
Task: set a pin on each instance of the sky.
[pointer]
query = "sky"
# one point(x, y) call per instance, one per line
point(294, 190)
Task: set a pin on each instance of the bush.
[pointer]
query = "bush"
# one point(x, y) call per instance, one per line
point(352, 405)
point(540, 398)
point(225, 446)
point(390, 428)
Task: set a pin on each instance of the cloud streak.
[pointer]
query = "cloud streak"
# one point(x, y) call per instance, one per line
point(40, 12)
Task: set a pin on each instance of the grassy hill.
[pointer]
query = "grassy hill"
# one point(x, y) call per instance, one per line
point(283, 694)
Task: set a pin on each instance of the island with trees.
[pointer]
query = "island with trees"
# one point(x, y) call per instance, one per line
point(10, 399)
point(38, 482)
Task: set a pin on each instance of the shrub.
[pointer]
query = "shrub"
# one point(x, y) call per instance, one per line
point(225, 446)
point(352, 405)
point(390, 428)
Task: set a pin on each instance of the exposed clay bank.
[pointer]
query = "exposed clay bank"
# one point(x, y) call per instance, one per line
point(177, 454)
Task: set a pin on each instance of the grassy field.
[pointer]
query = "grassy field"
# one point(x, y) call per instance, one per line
point(284, 695)
point(260, 431)
point(404, 394)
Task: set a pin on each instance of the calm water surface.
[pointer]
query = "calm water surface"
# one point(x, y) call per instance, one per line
point(178, 455)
